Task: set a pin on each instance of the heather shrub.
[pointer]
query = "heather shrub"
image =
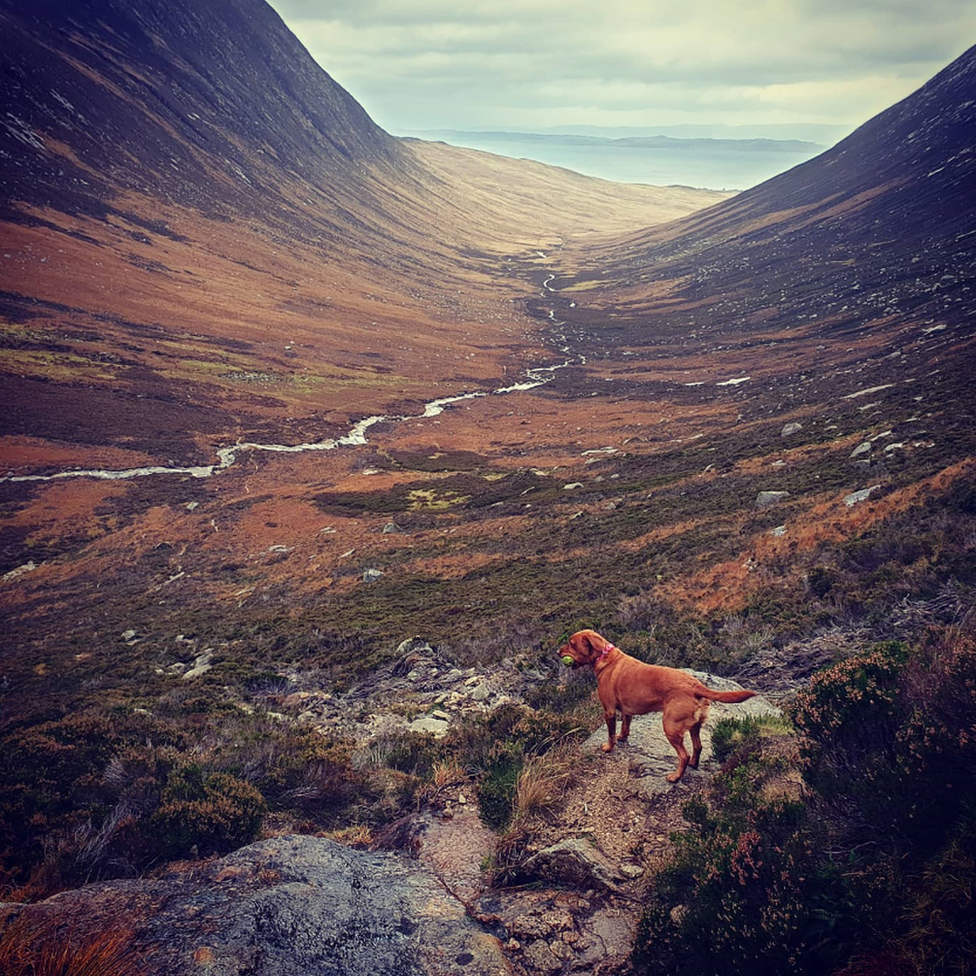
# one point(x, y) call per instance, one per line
point(743, 892)
point(205, 813)
point(873, 872)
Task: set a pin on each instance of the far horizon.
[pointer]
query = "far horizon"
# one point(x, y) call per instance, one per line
point(729, 160)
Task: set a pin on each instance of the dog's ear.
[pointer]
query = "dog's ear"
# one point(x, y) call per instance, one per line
point(588, 644)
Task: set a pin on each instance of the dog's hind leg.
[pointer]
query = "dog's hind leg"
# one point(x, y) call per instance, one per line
point(701, 713)
point(696, 745)
point(675, 732)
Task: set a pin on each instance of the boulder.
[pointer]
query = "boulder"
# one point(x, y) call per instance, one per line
point(767, 498)
point(574, 861)
point(290, 906)
point(860, 496)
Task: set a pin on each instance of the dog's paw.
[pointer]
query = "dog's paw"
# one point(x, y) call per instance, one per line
point(673, 777)
point(607, 747)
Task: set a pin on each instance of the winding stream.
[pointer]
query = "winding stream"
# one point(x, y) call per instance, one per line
point(355, 437)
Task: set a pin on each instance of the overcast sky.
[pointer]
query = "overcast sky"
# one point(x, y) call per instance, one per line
point(424, 64)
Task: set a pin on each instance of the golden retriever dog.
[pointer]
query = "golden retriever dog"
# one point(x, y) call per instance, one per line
point(635, 688)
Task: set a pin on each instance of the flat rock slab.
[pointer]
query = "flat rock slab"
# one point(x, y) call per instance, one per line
point(292, 906)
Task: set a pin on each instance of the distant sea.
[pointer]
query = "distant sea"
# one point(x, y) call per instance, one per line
point(716, 164)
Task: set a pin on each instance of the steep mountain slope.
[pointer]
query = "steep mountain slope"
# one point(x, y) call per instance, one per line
point(880, 225)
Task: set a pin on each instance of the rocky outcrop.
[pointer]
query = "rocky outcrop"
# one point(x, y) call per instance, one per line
point(292, 906)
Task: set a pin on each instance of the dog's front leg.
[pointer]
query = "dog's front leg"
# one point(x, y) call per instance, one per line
point(611, 718)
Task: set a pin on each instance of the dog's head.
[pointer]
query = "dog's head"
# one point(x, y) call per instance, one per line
point(584, 647)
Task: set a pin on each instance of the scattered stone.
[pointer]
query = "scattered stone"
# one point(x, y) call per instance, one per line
point(480, 693)
point(861, 450)
point(574, 861)
point(793, 428)
point(391, 528)
point(428, 725)
point(129, 634)
point(371, 575)
point(778, 531)
point(442, 715)
point(860, 496)
point(178, 667)
point(767, 498)
point(572, 485)
point(27, 567)
point(631, 870)
point(192, 506)
point(197, 672)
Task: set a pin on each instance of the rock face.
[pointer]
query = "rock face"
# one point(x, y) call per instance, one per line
point(292, 906)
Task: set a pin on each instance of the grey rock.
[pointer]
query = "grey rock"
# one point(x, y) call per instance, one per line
point(129, 634)
point(572, 485)
point(480, 693)
point(767, 498)
point(861, 450)
point(575, 861)
point(428, 725)
point(291, 906)
point(793, 428)
point(197, 672)
point(371, 575)
point(539, 958)
point(860, 496)
point(778, 531)
point(391, 528)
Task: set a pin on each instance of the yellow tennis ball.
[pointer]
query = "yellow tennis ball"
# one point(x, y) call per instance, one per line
point(568, 661)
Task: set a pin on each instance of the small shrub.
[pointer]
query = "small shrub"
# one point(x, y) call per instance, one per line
point(732, 734)
point(211, 814)
point(498, 785)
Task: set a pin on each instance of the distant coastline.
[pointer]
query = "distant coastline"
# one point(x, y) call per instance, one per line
point(716, 162)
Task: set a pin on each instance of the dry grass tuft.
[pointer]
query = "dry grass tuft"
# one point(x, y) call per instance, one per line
point(543, 782)
point(39, 949)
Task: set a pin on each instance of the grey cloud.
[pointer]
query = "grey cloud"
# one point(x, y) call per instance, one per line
point(410, 61)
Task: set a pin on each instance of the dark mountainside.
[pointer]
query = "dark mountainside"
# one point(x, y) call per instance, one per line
point(178, 100)
point(881, 224)
point(222, 747)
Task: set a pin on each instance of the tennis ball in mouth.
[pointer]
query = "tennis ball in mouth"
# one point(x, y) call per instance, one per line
point(568, 661)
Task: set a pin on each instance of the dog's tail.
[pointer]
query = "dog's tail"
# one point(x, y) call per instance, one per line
point(731, 697)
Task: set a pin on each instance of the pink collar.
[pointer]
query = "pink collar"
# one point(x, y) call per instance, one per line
point(603, 654)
